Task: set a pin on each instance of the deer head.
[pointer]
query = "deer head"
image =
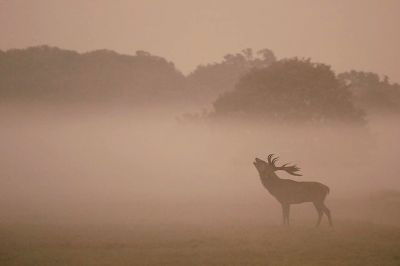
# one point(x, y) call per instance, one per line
point(270, 166)
point(262, 166)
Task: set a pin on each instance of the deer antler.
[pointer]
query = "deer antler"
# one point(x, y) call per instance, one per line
point(272, 160)
point(270, 157)
point(291, 169)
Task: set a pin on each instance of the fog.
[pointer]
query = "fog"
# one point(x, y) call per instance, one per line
point(91, 165)
point(130, 132)
point(348, 34)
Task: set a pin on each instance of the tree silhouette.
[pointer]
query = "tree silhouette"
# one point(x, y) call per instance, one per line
point(51, 74)
point(290, 90)
point(206, 82)
point(371, 93)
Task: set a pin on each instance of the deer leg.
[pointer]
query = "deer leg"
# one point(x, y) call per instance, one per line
point(328, 213)
point(285, 213)
point(319, 208)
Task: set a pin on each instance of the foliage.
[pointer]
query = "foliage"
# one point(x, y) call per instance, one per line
point(206, 82)
point(244, 83)
point(290, 90)
point(371, 93)
point(48, 73)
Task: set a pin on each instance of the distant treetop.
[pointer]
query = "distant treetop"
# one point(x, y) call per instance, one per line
point(206, 82)
point(371, 93)
point(46, 73)
point(290, 90)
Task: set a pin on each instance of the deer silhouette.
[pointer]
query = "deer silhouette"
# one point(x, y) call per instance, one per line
point(288, 191)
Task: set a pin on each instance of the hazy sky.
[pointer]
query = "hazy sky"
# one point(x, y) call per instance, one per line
point(359, 34)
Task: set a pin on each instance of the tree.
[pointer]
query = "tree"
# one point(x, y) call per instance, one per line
point(46, 73)
point(371, 93)
point(290, 90)
point(207, 82)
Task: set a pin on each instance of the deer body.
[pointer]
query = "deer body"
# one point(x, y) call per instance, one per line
point(289, 192)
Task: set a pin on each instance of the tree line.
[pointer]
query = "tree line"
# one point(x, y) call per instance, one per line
point(51, 74)
point(245, 84)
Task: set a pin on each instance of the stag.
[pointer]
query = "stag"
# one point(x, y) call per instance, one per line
point(288, 191)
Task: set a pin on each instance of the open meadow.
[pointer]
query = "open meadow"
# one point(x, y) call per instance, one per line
point(115, 188)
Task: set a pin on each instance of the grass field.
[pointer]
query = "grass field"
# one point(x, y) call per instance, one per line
point(350, 243)
point(123, 189)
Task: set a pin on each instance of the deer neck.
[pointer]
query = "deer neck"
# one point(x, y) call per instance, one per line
point(271, 182)
point(268, 179)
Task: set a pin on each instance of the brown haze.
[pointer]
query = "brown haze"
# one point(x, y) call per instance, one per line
point(95, 185)
point(356, 34)
point(106, 181)
point(135, 167)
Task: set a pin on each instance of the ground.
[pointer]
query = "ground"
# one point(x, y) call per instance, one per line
point(349, 243)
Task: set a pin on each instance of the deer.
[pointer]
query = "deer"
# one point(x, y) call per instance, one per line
point(288, 191)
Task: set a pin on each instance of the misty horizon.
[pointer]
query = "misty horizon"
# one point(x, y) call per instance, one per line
point(347, 34)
